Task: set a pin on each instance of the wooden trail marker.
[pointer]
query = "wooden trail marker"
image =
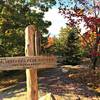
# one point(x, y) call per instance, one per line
point(36, 62)
point(31, 62)
point(32, 48)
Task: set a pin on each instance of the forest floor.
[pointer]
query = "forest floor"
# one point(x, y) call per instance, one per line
point(64, 83)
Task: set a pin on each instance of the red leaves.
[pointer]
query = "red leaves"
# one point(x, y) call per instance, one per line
point(87, 35)
point(94, 53)
point(78, 13)
point(98, 34)
point(97, 20)
point(92, 22)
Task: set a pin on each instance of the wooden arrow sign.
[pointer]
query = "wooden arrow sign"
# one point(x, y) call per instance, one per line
point(36, 62)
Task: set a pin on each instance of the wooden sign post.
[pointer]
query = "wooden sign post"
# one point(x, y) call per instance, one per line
point(31, 38)
point(31, 62)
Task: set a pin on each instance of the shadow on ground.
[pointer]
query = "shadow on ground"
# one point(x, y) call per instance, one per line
point(57, 81)
point(11, 91)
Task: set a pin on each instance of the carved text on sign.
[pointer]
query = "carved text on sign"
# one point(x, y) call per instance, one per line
point(36, 62)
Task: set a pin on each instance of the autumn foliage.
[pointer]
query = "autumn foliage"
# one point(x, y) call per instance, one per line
point(50, 42)
point(87, 42)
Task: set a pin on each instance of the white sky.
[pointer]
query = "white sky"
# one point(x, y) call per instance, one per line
point(57, 21)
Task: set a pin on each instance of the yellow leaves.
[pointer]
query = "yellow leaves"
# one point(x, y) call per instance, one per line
point(6, 11)
point(91, 11)
point(7, 82)
point(2, 21)
point(98, 89)
point(93, 34)
point(35, 1)
point(90, 39)
point(79, 11)
point(8, 32)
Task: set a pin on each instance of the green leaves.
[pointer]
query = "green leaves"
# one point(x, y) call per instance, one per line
point(68, 45)
point(14, 17)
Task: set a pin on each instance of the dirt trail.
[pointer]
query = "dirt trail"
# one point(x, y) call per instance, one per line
point(57, 81)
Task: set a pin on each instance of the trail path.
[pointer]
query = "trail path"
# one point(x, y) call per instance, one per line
point(59, 82)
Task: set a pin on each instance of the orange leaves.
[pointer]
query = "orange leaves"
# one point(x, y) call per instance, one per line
point(89, 39)
point(79, 12)
point(50, 42)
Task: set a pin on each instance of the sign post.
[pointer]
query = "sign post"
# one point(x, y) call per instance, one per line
point(31, 50)
point(31, 62)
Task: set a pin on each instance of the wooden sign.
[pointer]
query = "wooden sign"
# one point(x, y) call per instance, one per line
point(36, 62)
point(31, 62)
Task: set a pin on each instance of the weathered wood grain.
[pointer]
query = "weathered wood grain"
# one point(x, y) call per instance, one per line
point(35, 62)
point(31, 74)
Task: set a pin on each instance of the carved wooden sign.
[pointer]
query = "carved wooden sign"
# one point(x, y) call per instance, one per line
point(36, 62)
point(31, 62)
